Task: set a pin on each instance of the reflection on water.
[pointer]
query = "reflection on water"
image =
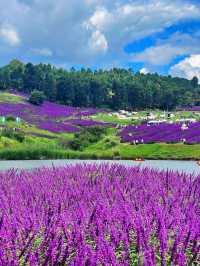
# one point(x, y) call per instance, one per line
point(182, 166)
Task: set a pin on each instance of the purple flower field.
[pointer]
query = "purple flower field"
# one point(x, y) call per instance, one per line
point(88, 123)
point(99, 215)
point(193, 109)
point(48, 115)
point(57, 127)
point(169, 133)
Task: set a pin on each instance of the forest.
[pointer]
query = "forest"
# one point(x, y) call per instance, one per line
point(113, 89)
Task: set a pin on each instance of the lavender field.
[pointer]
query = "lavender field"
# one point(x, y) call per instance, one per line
point(165, 132)
point(99, 215)
point(56, 131)
point(53, 117)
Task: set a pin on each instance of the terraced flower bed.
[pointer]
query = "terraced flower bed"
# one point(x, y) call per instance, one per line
point(194, 109)
point(88, 123)
point(49, 116)
point(99, 215)
point(168, 133)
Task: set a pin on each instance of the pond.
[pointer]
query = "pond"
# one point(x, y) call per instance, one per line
point(181, 166)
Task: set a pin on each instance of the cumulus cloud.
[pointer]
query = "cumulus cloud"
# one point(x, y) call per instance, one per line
point(138, 19)
point(100, 19)
point(159, 55)
point(135, 20)
point(98, 42)
point(165, 51)
point(9, 34)
point(187, 68)
point(88, 31)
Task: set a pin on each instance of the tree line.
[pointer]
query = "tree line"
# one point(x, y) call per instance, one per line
point(114, 89)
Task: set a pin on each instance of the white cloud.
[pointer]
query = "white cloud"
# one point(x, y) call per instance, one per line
point(100, 19)
point(159, 55)
point(9, 35)
point(144, 71)
point(140, 18)
point(43, 52)
point(89, 32)
point(166, 50)
point(124, 23)
point(98, 42)
point(187, 68)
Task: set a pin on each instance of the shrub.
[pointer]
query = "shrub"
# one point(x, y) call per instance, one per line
point(86, 137)
point(7, 132)
point(19, 136)
point(37, 97)
point(31, 153)
point(64, 142)
point(10, 118)
point(111, 144)
point(77, 144)
point(116, 154)
point(10, 133)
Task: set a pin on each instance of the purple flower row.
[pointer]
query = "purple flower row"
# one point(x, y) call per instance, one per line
point(168, 133)
point(47, 115)
point(88, 123)
point(57, 127)
point(194, 108)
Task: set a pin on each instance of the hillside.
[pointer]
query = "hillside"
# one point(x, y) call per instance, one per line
point(113, 89)
point(57, 131)
point(49, 116)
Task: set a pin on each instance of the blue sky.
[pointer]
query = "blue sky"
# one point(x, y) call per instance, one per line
point(185, 29)
point(147, 35)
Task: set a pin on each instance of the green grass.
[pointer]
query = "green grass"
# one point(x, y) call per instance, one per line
point(33, 129)
point(28, 129)
point(151, 151)
point(8, 143)
point(111, 119)
point(161, 151)
point(10, 98)
point(147, 151)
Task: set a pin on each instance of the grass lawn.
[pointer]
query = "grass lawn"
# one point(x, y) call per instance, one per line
point(121, 151)
point(9, 97)
point(148, 151)
point(111, 119)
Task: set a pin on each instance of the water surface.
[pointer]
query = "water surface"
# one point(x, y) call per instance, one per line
point(181, 166)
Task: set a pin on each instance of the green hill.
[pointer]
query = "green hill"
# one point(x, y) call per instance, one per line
point(25, 139)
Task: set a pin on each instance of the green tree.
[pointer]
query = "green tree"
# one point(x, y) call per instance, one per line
point(194, 82)
point(115, 88)
point(31, 81)
point(36, 97)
